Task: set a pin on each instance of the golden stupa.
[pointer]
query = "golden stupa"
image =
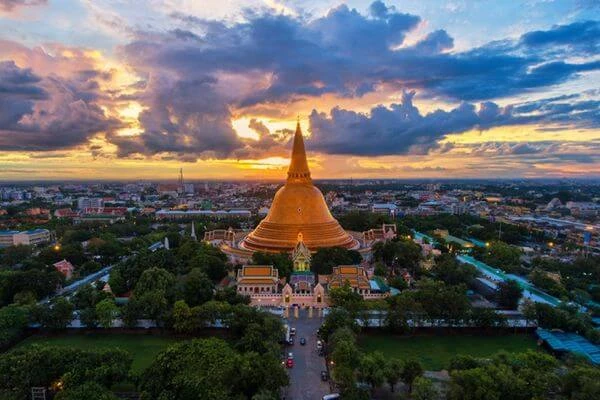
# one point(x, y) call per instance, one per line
point(298, 212)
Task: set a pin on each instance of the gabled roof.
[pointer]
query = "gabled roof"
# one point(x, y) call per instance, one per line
point(354, 275)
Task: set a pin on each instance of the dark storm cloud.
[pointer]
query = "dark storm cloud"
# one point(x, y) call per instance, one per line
point(47, 113)
point(258, 127)
point(402, 129)
point(347, 54)
point(196, 75)
point(19, 88)
point(578, 35)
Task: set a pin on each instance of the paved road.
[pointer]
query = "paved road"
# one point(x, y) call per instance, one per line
point(305, 376)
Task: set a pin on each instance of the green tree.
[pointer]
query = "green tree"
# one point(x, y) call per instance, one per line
point(346, 298)
point(371, 369)
point(90, 267)
point(582, 383)
point(13, 322)
point(38, 365)
point(423, 389)
point(281, 261)
point(259, 373)
point(450, 271)
point(197, 287)
point(183, 320)
point(56, 315)
point(411, 369)
point(88, 317)
point(107, 311)
point(503, 256)
point(154, 279)
point(380, 270)
point(196, 369)
point(117, 283)
point(25, 297)
point(393, 372)
point(326, 258)
point(337, 318)
point(13, 255)
point(87, 391)
point(509, 294)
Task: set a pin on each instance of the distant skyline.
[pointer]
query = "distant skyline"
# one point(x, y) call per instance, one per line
point(115, 89)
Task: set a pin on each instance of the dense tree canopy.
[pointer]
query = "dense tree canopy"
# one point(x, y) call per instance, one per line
point(450, 271)
point(42, 365)
point(281, 261)
point(326, 258)
point(509, 294)
point(210, 369)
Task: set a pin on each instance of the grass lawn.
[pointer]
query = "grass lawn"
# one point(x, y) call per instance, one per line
point(143, 348)
point(435, 352)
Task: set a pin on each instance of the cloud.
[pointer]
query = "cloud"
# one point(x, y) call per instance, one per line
point(402, 129)
point(10, 5)
point(196, 74)
point(46, 113)
point(579, 36)
point(258, 127)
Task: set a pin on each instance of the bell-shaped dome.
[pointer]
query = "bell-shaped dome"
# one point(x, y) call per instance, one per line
point(298, 208)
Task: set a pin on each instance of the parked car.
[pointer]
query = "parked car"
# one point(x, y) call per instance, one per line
point(331, 396)
point(289, 363)
point(302, 341)
point(324, 376)
point(291, 341)
point(290, 356)
point(319, 345)
point(292, 331)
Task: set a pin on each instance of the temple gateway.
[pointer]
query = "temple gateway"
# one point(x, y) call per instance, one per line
point(299, 222)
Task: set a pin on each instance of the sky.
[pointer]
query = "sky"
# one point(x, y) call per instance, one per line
point(116, 89)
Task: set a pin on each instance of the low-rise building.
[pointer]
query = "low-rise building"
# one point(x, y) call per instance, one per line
point(65, 268)
point(257, 279)
point(32, 237)
point(353, 275)
point(7, 238)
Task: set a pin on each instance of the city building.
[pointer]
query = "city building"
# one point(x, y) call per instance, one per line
point(32, 237)
point(87, 202)
point(7, 238)
point(65, 268)
point(386, 209)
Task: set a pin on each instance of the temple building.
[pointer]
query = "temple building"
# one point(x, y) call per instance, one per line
point(297, 214)
point(352, 275)
point(298, 223)
point(257, 279)
point(298, 208)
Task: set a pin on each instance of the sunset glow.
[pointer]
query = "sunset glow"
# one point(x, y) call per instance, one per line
point(396, 89)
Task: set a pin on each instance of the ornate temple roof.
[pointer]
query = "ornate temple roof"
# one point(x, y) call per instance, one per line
point(257, 274)
point(354, 275)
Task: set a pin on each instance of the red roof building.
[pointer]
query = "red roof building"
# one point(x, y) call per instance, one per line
point(65, 268)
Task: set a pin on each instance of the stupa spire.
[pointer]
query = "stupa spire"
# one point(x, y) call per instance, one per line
point(298, 171)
